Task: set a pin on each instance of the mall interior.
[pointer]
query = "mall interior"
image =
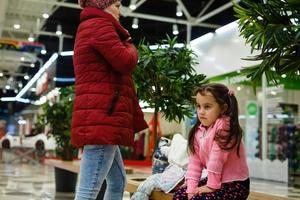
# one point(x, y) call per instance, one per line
point(36, 64)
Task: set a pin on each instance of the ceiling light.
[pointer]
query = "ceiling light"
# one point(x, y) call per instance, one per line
point(45, 15)
point(26, 77)
point(32, 65)
point(17, 26)
point(1, 74)
point(43, 51)
point(7, 87)
point(175, 29)
point(178, 11)
point(132, 5)
point(22, 100)
point(239, 88)
point(31, 37)
point(135, 23)
point(67, 53)
point(58, 30)
point(57, 79)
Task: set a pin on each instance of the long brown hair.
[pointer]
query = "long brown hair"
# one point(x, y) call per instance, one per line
point(222, 96)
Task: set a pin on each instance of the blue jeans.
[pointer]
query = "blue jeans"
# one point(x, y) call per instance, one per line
point(101, 162)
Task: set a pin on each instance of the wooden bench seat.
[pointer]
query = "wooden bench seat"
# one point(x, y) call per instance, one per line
point(133, 183)
point(73, 166)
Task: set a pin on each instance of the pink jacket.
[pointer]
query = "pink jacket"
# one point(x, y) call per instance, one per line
point(222, 166)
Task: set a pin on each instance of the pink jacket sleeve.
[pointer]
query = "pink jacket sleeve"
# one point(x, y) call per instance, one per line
point(194, 170)
point(121, 55)
point(216, 161)
point(217, 157)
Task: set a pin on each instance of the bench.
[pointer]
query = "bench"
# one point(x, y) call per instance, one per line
point(132, 185)
point(133, 182)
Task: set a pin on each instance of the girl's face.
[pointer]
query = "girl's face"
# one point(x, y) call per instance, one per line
point(114, 9)
point(208, 110)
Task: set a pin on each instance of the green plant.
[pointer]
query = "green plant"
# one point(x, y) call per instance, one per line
point(272, 27)
point(58, 116)
point(165, 79)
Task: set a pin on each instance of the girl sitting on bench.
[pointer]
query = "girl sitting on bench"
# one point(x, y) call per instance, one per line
point(215, 143)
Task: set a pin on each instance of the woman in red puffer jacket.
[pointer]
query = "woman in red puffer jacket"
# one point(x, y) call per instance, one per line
point(106, 112)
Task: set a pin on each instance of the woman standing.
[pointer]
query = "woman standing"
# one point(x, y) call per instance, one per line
point(106, 112)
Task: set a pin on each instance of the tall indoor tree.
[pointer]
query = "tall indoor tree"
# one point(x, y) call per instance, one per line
point(165, 79)
point(271, 27)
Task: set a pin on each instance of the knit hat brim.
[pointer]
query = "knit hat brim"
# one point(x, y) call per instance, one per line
point(101, 4)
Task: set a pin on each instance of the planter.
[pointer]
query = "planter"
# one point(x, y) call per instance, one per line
point(65, 181)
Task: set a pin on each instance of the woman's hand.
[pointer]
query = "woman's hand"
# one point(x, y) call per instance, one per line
point(203, 189)
point(128, 40)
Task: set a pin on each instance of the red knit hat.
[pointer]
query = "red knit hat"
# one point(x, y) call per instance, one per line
point(102, 4)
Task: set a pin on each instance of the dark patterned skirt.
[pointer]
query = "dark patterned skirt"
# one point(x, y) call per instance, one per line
point(236, 190)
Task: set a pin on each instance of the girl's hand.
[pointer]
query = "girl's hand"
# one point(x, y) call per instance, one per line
point(204, 189)
point(190, 195)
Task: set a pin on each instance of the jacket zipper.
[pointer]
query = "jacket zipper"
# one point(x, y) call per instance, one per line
point(113, 103)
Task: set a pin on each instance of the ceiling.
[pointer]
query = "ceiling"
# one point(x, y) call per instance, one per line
point(155, 19)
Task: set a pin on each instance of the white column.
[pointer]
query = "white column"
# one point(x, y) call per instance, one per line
point(188, 34)
point(27, 126)
point(264, 118)
point(61, 43)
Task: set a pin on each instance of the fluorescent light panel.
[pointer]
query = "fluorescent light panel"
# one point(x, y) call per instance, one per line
point(67, 53)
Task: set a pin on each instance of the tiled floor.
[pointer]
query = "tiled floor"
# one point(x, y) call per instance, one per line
point(30, 182)
point(25, 181)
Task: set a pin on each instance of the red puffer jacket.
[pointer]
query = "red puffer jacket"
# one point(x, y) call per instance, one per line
point(106, 109)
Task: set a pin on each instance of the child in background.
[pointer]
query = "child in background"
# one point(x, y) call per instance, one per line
point(215, 143)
